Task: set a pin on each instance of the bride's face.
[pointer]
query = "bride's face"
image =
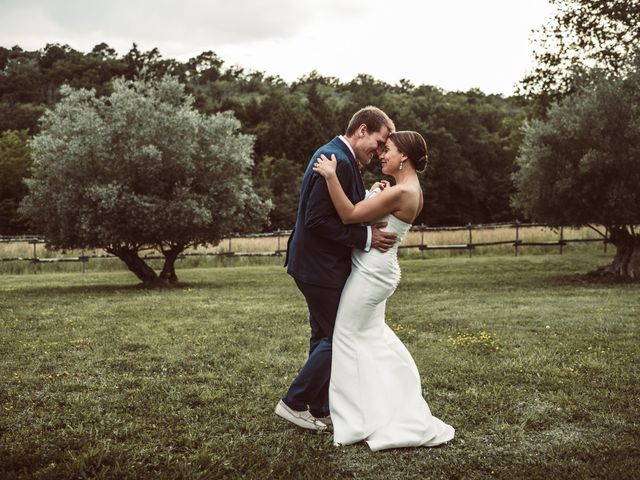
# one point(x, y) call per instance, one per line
point(390, 158)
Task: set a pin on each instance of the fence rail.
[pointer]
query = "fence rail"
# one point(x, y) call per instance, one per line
point(470, 245)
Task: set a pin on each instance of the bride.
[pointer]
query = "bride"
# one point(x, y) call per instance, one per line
point(375, 392)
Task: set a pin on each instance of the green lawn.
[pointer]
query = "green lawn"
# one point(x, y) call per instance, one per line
point(535, 367)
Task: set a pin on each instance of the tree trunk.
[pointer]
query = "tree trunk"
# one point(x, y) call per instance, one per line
point(132, 260)
point(626, 263)
point(168, 273)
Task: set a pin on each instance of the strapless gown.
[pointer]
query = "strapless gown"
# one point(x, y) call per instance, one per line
point(375, 392)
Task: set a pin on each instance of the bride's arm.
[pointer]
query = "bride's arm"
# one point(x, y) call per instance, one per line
point(385, 202)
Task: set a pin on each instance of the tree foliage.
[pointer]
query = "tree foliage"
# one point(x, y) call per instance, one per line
point(140, 169)
point(584, 36)
point(472, 137)
point(581, 165)
point(15, 165)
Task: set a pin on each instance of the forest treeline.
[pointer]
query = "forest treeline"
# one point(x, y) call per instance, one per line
point(473, 138)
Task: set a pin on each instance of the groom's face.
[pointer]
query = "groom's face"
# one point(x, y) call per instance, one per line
point(370, 143)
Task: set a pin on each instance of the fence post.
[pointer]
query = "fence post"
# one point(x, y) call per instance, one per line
point(278, 246)
point(83, 259)
point(561, 239)
point(517, 237)
point(470, 245)
point(606, 240)
point(35, 257)
point(422, 249)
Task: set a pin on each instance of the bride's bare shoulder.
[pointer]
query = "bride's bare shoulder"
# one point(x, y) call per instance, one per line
point(404, 189)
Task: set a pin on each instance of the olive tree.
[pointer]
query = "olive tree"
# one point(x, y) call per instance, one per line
point(140, 169)
point(581, 166)
point(583, 36)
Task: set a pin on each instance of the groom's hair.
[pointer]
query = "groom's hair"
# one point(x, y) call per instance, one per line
point(372, 117)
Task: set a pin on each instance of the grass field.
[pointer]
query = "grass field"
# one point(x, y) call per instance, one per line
point(536, 367)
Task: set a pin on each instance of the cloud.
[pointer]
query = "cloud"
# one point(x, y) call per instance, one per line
point(163, 22)
point(456, 44)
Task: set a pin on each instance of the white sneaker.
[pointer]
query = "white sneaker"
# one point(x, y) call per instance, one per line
point(302, 419)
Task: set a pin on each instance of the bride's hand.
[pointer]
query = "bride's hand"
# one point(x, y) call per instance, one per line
point(325, 167)
point(382, 184)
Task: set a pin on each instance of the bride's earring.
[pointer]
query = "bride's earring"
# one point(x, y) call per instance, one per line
point(401, 165)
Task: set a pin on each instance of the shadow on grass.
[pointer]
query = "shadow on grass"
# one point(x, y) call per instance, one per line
point(594, 280)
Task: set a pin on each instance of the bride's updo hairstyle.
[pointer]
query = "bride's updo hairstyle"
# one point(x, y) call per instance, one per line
point(413, 145)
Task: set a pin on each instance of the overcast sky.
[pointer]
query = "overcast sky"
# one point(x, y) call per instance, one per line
point(452, 44)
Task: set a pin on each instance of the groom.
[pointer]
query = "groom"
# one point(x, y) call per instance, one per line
point(319, 258)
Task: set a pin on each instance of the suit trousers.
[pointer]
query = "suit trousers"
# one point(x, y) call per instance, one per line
point(310, 388)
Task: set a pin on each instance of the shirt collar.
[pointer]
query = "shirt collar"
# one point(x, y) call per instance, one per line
point(343, 138)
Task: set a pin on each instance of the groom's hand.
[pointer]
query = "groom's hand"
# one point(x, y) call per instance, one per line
point(380, 240)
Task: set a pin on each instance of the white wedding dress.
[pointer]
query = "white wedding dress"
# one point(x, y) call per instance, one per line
point(375, 392)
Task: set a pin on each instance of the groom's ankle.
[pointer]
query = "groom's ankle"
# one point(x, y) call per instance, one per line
point(318, 414)
point(294, 406)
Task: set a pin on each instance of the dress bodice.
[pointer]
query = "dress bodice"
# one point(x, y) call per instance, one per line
point(394, 224)
point(382, 266)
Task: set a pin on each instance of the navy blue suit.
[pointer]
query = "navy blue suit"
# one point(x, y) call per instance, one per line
point(319, 259)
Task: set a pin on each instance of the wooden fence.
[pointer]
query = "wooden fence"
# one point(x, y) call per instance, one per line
point(283, 235)
point(517, 243)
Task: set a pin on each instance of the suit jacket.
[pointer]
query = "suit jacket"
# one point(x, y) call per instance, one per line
point(319, 248)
